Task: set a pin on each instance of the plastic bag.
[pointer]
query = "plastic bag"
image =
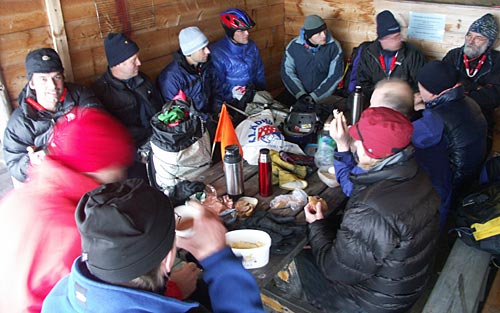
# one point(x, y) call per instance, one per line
point(295, 200)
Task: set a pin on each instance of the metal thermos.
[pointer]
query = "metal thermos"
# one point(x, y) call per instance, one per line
point(357, 105)
point(233, 170)
point(265, 173)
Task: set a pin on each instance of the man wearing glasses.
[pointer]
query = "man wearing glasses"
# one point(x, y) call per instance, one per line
point(479, 67)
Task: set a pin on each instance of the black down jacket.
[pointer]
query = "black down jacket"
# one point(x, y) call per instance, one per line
point(465, 131)
point(383, 251)
point(30, 127)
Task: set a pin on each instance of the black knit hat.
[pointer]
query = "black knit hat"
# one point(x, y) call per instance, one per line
point(313, 24)
point(119, 48)
point(127, 229)
point(437, 76)
point(44, 60)
point(386, 24)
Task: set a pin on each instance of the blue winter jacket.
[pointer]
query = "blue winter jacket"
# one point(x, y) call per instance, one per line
point(199, 83)
point(312, 70)
point(231, 288)
point(237, 65)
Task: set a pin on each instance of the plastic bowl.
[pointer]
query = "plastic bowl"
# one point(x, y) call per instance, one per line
point(328, 178)
point(252, 257)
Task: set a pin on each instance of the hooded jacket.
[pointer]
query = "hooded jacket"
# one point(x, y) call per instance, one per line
point(312, 70)
point(133, 102)
point(199, 83)
point(231, 288)
point(380, 258)
point(465, 130)
point(39, 236)
point(237, 65)
point(28, 126)
point(409, 61)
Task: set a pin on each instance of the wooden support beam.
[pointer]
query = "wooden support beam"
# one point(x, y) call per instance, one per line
point(5, 107)
point(59, 38)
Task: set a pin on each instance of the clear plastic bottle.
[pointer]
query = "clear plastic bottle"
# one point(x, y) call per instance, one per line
point(323, 158)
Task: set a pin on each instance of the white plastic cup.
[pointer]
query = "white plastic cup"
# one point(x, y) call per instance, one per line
point(185, 216)
point(252, 257)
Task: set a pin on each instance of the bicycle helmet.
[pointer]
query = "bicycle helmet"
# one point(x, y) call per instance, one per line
point(236, 19)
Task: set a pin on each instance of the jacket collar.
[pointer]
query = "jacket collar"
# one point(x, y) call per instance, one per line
point(454, 94)
point(181, 60)
point(120, 84)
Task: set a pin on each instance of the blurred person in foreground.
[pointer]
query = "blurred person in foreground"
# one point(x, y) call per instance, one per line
point(124, 265)
point(380, 257)
point(38, 233)
point(45, 98)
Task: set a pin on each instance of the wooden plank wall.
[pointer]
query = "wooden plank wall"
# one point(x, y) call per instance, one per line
point(24, 26)
point(352, 22)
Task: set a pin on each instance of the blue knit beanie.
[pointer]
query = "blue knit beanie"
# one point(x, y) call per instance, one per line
point(486, 26)
point(386, 24)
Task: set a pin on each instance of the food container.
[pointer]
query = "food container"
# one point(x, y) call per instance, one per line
point(328, 177)
point(252, 245)
point(245, 206)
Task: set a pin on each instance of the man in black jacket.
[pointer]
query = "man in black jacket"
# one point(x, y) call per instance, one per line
point(128, 94)
point(44, 99)
point(380, 258)
point(479, 67)
point(388, 57)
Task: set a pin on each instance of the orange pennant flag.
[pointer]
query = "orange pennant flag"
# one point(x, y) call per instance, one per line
point(225, 133)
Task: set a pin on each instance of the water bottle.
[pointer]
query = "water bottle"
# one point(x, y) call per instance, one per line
point(323, 158)
point(265, 173)
point(357, 105)
point(233, 170)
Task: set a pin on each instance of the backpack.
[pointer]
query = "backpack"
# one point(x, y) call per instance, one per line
point(478, 219)
point(349, 79)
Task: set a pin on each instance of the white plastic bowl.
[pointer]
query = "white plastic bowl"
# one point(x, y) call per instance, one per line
point(328, 177)
point(252, 257)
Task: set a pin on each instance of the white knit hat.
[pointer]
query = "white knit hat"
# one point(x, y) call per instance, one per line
point(191, 39)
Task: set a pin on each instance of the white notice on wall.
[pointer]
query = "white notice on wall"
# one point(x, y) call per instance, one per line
point(426, 26)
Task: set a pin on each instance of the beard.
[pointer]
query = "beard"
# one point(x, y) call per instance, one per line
point(473, 51)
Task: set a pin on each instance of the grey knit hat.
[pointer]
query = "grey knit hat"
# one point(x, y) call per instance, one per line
point(191, 39)
point(313, 24)
point(486, 26)
point(127, 229)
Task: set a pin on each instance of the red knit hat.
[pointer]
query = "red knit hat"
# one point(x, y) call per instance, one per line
point(88, 140)
point(382, 131)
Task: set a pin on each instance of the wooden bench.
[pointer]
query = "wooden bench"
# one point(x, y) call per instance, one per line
point(462, 282)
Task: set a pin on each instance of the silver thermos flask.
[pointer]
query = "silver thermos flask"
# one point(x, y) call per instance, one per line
point(233, 170)
point(357, 104)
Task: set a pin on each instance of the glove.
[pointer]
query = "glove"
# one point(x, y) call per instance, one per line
point(283, 230)
point(183, 190)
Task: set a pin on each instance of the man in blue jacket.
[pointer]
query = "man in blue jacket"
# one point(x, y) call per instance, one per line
point(128, 249)
point(236, 58)
point(313, 63)
point(190, 72)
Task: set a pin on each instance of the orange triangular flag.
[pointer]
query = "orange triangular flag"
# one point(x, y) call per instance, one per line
point(225, 133)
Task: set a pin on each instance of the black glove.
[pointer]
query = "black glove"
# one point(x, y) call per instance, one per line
point(179, 193)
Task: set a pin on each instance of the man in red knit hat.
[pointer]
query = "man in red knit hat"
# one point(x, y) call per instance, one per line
point(39, 237)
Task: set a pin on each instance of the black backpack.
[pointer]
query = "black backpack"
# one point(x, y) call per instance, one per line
point(349, 80)
point(478, 219)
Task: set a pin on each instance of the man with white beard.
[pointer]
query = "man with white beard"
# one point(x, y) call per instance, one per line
point(479, 67)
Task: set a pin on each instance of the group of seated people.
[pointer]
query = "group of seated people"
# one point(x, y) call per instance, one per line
point(404, 165)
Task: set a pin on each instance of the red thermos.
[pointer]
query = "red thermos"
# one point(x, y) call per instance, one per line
point(265, 173)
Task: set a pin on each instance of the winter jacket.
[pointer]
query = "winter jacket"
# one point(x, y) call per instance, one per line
point(465, 132)
point(231, 288)
point(431, 154)
point(237, 65)
point(312, 70)
point(28, 126)
point(199, 83)
point(133, 102)
point(39, 236)
point(409, 60)
point(380, 258)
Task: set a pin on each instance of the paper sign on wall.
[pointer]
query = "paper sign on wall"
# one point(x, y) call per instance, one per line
point(426, 26)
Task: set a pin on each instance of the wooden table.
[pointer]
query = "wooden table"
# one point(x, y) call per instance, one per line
point(333, 196)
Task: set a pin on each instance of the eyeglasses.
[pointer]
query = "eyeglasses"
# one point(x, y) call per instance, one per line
point(478, 39)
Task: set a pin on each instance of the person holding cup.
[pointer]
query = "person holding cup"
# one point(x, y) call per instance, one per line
point(128, 249)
